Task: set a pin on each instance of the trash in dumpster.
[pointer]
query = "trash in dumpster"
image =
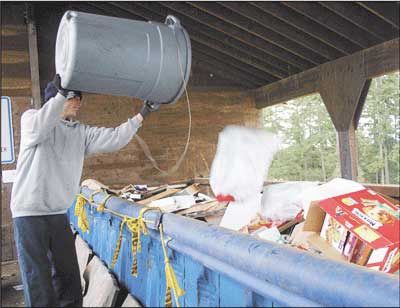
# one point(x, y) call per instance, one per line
point(335, 187)
point(320, 232)
point(270, 234)
point(281, 202)
point(173, 204)
point(373, 220)
point(351, 225)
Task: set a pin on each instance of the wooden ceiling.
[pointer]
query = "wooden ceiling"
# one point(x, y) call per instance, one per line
point(253, 44)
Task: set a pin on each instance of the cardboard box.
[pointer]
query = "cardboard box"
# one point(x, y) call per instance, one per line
point(351, 243)
point(311, 241)
point(369, 217)
point(334, 233)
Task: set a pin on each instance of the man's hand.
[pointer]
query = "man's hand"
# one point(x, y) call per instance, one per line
point(57, 84)
point(148, 107)
point(65, 92)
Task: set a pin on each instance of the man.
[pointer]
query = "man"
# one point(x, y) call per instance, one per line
point(52, 150)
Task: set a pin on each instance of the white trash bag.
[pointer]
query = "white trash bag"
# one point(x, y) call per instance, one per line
point(240, 167)
point(281, 202)
point(335, 187)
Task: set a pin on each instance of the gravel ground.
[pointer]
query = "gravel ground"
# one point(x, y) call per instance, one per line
point(11, 288)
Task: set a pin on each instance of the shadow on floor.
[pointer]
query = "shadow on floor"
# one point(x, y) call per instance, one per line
point(11, 287)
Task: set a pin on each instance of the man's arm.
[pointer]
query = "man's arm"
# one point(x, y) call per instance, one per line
point(37, 124)
point(103, 140)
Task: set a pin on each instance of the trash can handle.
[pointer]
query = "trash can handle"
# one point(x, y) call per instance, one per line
point(172, 21)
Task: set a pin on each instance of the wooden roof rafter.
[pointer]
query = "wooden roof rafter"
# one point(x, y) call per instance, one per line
point(290, 48)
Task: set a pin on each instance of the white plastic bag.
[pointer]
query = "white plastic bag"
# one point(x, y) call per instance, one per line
point(240, 213)
point(283, 201)
point(336, 187)
point(242, 161)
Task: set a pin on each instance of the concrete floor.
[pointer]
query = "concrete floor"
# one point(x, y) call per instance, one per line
point(11, 288)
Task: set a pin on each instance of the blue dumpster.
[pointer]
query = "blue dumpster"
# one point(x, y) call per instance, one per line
point(219, 267)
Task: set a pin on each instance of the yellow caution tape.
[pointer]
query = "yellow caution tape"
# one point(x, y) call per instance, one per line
point(136, 226)
point(102, 205)
point(172, 282)
point(90, 199)
point(80, 212)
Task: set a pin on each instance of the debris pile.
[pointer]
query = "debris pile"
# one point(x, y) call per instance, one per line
point(340, 220)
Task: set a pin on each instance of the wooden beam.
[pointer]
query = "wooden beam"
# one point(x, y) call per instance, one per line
point(115, 11)
point(249, 72)
point(220, 25)
point(362, 18)
point(286, 89)
point(308, 26)
point(215, 67)
point(388, 11)
point(241, 75)
point(215, 48)
point(218, 68)
point(330, 20)
point(388, 190)
point(291, 48)
point(33, 55)
point(246, 60)
point(376, 61)
point(153, 11)
point(212, 69)
point(278, 66)
point(325, 52)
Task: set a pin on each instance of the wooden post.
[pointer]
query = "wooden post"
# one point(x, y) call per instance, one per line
point(33, 56)
point(343, 88)
point(348, 155)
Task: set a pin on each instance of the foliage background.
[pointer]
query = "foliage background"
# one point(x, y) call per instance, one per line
point(310, 152)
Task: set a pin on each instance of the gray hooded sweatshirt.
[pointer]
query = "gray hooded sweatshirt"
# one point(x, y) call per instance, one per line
point(51, 157)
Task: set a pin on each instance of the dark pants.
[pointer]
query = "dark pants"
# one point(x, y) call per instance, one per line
point(48, 262)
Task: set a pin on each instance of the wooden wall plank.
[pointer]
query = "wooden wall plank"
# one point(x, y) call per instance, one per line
point(33, 56)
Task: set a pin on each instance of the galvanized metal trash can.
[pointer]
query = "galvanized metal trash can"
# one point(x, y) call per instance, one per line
point(109, 55)
point(219, 267)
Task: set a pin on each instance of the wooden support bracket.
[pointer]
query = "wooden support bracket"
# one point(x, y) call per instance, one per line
point(340, 85)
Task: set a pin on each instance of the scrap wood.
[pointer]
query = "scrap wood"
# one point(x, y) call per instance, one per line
point(200, 207)
point(173, 203)
point(203, 214)
point(190, 190)
point(177, 186)
point(182, 182)
point(150, 190)
point(211, 208)
point(168, 192)
point(289, 224)
point(155, 190)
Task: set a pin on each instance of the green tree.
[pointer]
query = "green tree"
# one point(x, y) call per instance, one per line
point(378, 132)
point(310, 150)
point(309, 140)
